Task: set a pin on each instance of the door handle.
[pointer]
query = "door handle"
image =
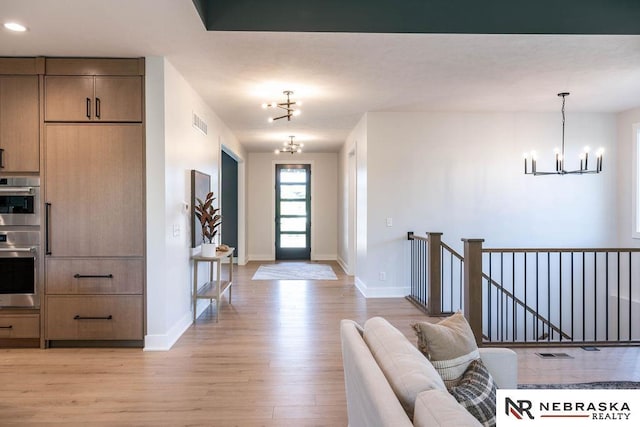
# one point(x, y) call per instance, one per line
point(1, 158)
point(6, 327)
point(97, 107)
point(47, 228)
point(88, 108)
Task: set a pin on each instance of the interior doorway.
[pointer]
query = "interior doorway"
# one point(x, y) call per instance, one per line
point(293, 212)
point(229, 201)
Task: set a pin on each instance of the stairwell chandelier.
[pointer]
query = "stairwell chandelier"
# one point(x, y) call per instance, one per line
point(531, 158)
point(288, 106)
point(290, 147)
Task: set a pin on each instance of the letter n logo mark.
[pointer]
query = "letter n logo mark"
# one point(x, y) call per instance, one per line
point(518, 409)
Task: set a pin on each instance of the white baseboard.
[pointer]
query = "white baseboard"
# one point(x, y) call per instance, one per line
point(386, 292)
point(343, 264)
point(361, 286)
point(322, 257)
point(260, 258)
point(166, 341)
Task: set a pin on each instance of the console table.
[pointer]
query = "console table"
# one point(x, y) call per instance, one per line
point(213, 289)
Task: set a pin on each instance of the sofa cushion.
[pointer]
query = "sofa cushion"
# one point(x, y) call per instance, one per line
point(406, 369)
point(439, 408)
point(476, 392)
point(449, 344)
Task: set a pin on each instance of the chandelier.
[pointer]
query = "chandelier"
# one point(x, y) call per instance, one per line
point(287, 106)
point(532, 158)
point(290, 147)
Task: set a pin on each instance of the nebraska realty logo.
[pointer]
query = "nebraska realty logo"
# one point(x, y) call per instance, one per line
point(567, 407)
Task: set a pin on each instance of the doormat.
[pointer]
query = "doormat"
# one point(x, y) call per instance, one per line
point(295, 271)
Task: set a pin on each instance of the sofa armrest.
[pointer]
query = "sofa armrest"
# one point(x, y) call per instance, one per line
point(439, 408)
point(502, 363)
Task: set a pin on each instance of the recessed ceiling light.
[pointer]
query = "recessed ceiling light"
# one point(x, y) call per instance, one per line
point(14, 26)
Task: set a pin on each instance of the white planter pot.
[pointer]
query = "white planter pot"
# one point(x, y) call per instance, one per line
point(208, 250)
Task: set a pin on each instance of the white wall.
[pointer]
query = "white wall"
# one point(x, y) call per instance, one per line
point(462, 174)
point(174, 147)
point(261, 203)
point(626, 176)
point(353, 198)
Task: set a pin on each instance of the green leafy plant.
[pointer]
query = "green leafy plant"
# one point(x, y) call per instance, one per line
point(209, 218)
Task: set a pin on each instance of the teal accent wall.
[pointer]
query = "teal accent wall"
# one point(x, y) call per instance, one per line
point(424, 16)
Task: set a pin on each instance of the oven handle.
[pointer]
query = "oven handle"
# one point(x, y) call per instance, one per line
point(17, 250)
point(17, 190)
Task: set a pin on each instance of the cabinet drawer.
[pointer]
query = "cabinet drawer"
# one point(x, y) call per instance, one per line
point(94, 318)
point(94, 276)
point(20, 326)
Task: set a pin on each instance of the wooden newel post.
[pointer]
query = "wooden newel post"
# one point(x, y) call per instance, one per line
point(473, 285)
point(434, 266)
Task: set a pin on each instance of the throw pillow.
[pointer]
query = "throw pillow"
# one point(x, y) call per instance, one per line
point(476, 391)
point(449, 345)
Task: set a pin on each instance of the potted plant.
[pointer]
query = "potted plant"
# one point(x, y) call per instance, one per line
point(210, 220)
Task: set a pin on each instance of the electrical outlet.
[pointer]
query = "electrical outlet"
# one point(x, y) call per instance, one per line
point(383, 275)
point(389, 222)
point(176, 230)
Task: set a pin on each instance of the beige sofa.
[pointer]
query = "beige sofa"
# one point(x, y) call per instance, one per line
point(419, 390)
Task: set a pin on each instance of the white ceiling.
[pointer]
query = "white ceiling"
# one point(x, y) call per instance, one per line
point(339, 76)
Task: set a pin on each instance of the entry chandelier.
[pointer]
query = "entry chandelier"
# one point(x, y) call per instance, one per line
point(531, 158)
point(289, 106)
point(290, 147)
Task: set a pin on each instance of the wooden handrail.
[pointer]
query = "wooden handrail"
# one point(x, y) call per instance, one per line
point(453, 252)
point(555, 250)
point(412, 236)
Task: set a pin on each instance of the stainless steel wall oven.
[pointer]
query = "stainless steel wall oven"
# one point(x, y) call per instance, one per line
point(19, 268)
point(20, 201)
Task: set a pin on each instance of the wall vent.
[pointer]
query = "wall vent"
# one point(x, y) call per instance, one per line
point(199, 124)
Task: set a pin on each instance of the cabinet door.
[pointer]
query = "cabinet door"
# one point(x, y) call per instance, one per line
point(94, 177)
point(68, 99)
point(19, 124)
point(96, 317)
point(118, 99)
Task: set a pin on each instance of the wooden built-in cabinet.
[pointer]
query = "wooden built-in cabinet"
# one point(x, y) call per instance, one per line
point(93, 317)
point(19, 325)
point(19, 124)
point(93, 90)
point(93, 98)
point(94, 200)
point(94, 194)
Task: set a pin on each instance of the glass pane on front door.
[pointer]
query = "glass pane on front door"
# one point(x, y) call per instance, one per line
point(293, 224)
point(293, 208)
point(295, 192)
point(293, 241)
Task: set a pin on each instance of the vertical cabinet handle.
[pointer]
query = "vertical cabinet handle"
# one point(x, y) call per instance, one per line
point(88, 108)
point(97, 107)
point(1, 158)
point(47, 227)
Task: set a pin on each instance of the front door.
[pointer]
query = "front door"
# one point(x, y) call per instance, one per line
point(293, 212)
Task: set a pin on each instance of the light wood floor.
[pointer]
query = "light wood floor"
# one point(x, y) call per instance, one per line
point(272, 360)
